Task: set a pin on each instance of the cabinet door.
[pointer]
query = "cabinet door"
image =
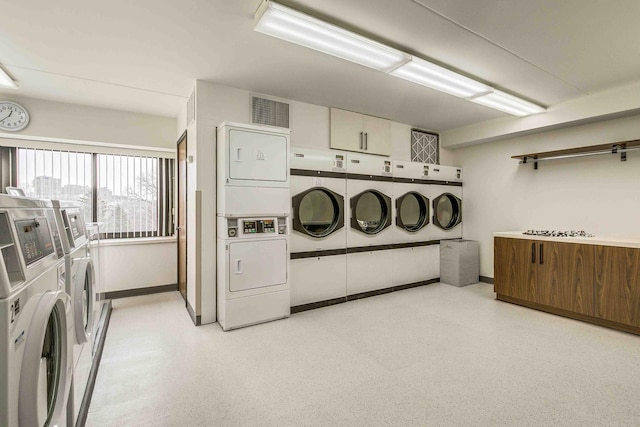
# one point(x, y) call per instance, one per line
point(346, 130)
point(618, 284)
point(377, 135)
point(566, 276)
point(515, 269)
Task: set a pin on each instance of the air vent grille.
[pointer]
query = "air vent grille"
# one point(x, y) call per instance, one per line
point(269, 112)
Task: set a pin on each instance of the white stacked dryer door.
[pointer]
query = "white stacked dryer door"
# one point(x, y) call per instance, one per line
point(319, 235)
point(415, 255)
point(446, 202)
point(370, 218)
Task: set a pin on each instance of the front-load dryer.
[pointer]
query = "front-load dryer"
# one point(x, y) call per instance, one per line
point(79, 279)
point(446, 202)
point(35, 317)
point(416, 255)
point(370, 219)
point(319, 236)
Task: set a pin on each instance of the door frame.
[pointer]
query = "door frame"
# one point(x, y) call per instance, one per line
point(183, 138)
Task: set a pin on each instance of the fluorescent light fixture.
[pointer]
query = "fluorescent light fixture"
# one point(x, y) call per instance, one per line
point(7, 81)
point(287, 24)
point(436, 77)
point(508, 103)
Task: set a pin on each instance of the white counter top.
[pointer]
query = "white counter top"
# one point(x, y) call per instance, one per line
point(624, 241)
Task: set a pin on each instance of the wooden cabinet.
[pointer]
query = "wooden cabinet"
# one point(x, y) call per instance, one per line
point(600, 284)
point(358, 132)
point(617, 285)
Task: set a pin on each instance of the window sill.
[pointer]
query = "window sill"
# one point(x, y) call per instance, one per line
point(137, 241)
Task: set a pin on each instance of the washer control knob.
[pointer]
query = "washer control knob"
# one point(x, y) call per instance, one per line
point(233, 232)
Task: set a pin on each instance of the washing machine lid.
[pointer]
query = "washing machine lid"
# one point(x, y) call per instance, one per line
point(370, 211)
point(82, 299)
point(412, 211)
point(318, 212)
point(45, 377)
point(447, 211)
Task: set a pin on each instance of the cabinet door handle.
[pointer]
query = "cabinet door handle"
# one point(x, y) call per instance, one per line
point(366, 140)
point(533, 253)
point(541, 254)
point(361, 140)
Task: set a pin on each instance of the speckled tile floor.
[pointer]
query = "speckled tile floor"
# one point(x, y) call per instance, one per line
point(429, 356)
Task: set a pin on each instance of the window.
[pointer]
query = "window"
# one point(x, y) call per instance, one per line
point(130, 196)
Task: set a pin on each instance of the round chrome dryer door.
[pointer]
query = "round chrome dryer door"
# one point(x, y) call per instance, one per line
point(412, 211)
point(318, 212)
point(370, 212)
point(447, 211)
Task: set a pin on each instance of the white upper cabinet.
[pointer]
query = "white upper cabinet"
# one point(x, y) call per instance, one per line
point(358, 132)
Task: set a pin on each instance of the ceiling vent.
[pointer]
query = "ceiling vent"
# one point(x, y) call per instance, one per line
point(269, 112)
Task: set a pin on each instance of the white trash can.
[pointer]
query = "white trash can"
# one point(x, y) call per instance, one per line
point(459, 262)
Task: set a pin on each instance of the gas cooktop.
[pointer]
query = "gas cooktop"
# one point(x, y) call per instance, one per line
point(556, 233)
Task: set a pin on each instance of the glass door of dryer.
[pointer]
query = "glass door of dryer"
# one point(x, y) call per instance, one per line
point(447, 211)
point(257, 264)
point(318, 212)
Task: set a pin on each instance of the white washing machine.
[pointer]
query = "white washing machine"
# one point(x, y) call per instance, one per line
point(253, 205)
point(35, 317)
point(446, 202)
point(79, 279)
point(319, 236)
point(369, 219)
point(416, 257)
point(93, 234)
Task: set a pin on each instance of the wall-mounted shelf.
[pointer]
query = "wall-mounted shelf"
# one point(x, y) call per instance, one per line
point(592, 150)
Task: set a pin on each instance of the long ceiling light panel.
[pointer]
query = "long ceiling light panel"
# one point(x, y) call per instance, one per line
point(7, 81)
point(290, 25)
point(295, 27)
point(508, 103)
point(431, 75)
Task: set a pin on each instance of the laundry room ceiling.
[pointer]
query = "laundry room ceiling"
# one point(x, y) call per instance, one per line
point(144, 55)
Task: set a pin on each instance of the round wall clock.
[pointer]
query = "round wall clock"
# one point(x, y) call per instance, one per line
point(13, 117)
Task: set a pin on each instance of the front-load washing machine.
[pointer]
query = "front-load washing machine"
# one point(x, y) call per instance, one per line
point(319, 236)
point(79, 279)
point(35, 317)
point(416, 257)
point(370, 218)
point(446, 202)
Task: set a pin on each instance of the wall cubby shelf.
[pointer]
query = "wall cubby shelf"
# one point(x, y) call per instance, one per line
point(592, 150)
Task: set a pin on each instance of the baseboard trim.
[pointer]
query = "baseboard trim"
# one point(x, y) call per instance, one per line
point(334, 301)
point(95, 365)
point(197, 320)
point(485, 279)
point(141, 291)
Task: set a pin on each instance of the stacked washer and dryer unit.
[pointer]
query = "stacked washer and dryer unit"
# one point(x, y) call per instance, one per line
point(366, 226)
point(252, 225)
point(80, 283)
point(36, 364)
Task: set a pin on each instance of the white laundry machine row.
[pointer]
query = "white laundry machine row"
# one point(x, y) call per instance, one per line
point(80, 283)
point(252, 225)
point(377, 221)
point(36, 362)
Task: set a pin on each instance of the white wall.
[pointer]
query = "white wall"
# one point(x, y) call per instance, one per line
point(598, 194)
point(140, 265)
point(57, 120)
